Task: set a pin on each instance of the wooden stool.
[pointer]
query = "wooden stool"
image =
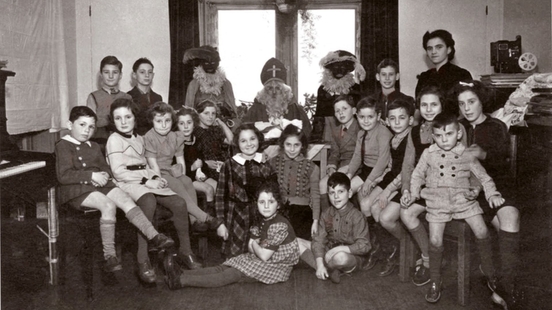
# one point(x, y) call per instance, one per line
point(456, 230)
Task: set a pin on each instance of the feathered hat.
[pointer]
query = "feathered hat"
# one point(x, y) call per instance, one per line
point(273, 69)
point(205, 52)
point(342, 56)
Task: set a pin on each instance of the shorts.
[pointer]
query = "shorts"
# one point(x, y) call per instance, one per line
point(508, 192)
point(365, 172)
point(446, 204)
point(76, 203)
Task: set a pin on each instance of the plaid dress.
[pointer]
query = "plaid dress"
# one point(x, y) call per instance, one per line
point(235, 196)
point(276, 234)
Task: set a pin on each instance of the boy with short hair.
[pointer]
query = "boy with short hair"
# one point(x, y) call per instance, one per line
point(342, 238)
point(445, 168)
point(111, 72)
point(143, 96)
point(387, 74)
point(85, 181)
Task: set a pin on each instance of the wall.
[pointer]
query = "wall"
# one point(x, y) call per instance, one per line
point(532, 20)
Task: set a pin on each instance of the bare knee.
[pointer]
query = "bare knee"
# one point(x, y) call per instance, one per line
point(436, 241)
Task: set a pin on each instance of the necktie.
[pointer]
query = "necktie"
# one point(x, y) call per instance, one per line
point(343, 131)
point(363, 146)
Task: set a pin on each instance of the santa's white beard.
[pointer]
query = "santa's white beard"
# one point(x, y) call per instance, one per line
point(275, 106)
point(210, 83)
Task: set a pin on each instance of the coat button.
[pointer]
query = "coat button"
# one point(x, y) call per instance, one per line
point(453, 168)
point(443, 155)
point(441, 166)
point(84, 164)
point(442, 174)
point(78, 148)
point(80, 158)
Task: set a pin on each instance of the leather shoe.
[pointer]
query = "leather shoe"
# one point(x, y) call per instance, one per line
point(112, 264)
point(372, 258)
point(213, 222)
point(172, 272)
point(434, 293)
point(190, 261)
point(335, 276)
point(200, 227)
point(390, 264)
point(146, 272)
point(421, 276)
point(160, 242)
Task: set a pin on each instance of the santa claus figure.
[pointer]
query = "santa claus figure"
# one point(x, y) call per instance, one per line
point(210, 82)
point(275, 107)
point(337, 79)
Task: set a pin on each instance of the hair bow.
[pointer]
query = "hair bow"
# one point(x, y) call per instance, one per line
point(466, 84)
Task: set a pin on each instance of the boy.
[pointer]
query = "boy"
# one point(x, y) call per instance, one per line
point(343, 142)
point(445, 169)
point(142, 94)
point(379, 204)
point(342, 237)
point(387, 74)
point(111, 72)
point(85, 181)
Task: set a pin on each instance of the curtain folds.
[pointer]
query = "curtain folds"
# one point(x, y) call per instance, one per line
point(379, 37)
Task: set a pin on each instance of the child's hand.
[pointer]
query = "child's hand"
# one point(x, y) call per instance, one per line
point(406, 200)
point(218, 122)
point(321, 272)
point(383, 199)
point(366, 188)
point(330, 170)
point(496, 201)
point(200, 176)
point(213, 164)
point(250, 245)
point(158, 183)
point(314, 227)
point(100, 178)
point(477, 151)
point(472, 193)
point(197, 164)
point(222, 231)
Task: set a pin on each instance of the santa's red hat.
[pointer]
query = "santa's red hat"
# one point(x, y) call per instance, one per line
point(273, 70)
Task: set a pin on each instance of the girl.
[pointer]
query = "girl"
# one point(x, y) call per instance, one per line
point(298, 178)
point(488, 140)
point(162, 145)
point(126, 156)
point(273, 251)
point(439, 47)
point(239, 178)
point(213, 138)
point(193, 158)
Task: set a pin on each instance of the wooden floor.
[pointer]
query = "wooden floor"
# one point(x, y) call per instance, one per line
point(25, 274)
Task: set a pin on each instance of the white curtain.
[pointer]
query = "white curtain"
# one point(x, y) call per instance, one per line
point(32, 40)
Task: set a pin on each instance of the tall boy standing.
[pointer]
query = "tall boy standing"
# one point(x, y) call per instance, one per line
point(143, 96)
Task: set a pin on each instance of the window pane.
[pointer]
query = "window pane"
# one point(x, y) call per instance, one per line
point(323, 31)
point(246, 41)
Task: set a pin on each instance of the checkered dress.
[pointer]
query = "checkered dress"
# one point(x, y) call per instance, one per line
point(277, 235)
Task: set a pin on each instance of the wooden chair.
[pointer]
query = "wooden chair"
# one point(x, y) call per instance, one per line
point(456, 230)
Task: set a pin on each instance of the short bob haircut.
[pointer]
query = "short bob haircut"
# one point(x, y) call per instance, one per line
point(161, 108)
point(121, 103)
point(294, 131)
point(247, 126)
point(443, 35)
point(188, 111)
point(81, 110)
point(483, 93)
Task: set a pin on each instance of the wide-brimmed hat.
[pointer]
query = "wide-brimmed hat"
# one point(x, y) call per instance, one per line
point(205, 52)
point(342, 56)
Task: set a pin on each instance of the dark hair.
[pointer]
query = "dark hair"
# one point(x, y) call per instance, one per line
point(205, 104)
point(368, 102)
point(446, 103)
point(401, 104)
point(270, 186)
point(122, 103)
point(161, 108)
point(445, 118)
point(483, 93)
point(387, 62)
point(294, 131)
point(247, 126)
point(339, 178)
point(111, 60)
point(347, 98)
point(141, 61)
point(188, 111)
point(81, 110)
point(443, 35)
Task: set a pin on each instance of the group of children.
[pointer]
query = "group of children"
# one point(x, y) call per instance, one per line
point(399, 156)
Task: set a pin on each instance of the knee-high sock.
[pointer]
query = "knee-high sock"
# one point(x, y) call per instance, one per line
point(486, 253)
point(107, 232)
point(148, 204)
point(180, 220)
point(435, 261)
point(509, 256)
point(422, 238)
point(211, 277)
point(138, 219)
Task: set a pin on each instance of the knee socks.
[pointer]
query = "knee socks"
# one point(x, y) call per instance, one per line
point(422, 239)
point(138, 219)
point(485, 252)
point(509, 256)
point(435, 261)
point(107, 232)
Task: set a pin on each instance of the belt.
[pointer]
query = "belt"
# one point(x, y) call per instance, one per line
point(136, 167)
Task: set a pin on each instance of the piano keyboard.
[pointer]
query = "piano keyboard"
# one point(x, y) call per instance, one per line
point(15, 170)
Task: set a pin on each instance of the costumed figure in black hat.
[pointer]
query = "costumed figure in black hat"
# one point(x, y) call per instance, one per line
point(275, 107)
point(210, 83)
point(337, 79)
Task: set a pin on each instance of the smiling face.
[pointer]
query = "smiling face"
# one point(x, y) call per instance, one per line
point(340, 69)
point(162, 123)
point(267, 204)
point(292, 146)
point(471, 107)
point(367, 118)
point(399, 120)
point(430, 106)
point(207, 117)
point(248, 143)
point(447, 137)
point(344, 112)
point(339, 196)
point(82, 128)
point(186, 124)
point(144, 74)
point(387, 77)
point(437, 51)
point(111, 75)
point(124, 120)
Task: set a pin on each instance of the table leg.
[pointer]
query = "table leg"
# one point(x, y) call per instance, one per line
point(53, 233)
